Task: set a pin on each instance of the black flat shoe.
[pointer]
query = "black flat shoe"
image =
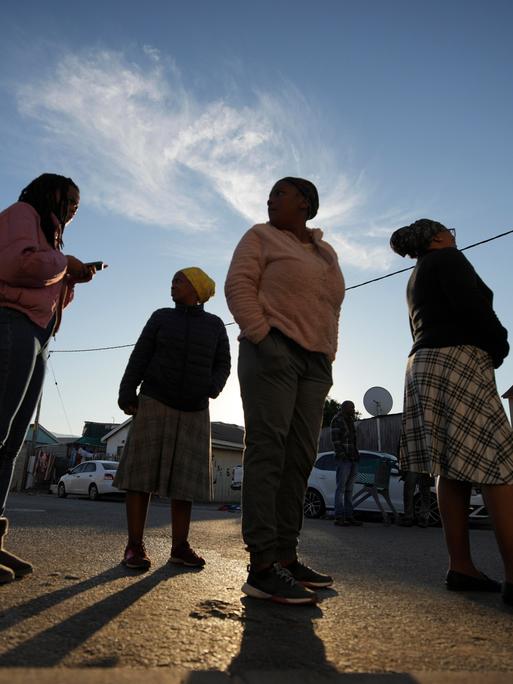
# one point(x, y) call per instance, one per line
point(457, 581)
point(507, 593)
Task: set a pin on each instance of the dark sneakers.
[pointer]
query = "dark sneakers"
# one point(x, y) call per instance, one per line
point(11, 566)
point(354, 522)
point(308, 577)
point(457, 581)
point(184, 555)
point(135, 557)
point(341, 522)
point(278, 585)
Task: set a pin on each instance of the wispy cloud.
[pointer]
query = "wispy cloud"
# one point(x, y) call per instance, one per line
point(149, 148)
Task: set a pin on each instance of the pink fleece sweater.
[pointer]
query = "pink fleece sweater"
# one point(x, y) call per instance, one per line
point(276, 281)
point(32, 274)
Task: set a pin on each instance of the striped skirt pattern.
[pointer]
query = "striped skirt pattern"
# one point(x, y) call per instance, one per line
point(454, 423)
point(167, 452)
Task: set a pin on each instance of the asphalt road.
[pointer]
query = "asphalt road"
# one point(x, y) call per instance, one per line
point(388, 611)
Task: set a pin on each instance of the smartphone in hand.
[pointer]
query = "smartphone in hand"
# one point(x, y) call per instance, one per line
point(98, 265)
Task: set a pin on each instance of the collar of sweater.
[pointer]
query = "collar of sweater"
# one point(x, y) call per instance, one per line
point(190, 310)
point(315, 234)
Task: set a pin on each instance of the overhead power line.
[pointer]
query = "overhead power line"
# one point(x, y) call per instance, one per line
point(410, 268)
point(60, 397)
point(351, 287)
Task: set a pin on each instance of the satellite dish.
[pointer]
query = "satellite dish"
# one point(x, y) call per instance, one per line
point(377, 401)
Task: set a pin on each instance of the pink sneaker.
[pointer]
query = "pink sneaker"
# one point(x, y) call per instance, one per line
point(135, 557)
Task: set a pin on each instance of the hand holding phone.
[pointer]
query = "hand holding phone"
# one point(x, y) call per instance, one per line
point(98, 265)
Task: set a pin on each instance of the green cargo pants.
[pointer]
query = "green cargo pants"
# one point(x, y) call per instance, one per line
point(283, 388)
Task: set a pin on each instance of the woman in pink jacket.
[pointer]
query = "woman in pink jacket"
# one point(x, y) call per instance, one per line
point(284, 289)
point(36, 283)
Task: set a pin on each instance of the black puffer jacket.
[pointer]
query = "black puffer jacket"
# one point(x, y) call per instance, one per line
point(182, 358)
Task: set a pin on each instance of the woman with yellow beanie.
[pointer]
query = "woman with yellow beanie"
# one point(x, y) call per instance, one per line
point(181, 359)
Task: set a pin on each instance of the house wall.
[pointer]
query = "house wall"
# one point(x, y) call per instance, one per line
point(223, 463)
point(116, 443)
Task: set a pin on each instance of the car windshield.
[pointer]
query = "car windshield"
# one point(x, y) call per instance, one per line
point(110, 466)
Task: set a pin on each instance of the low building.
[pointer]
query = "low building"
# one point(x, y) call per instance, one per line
point(29, 469)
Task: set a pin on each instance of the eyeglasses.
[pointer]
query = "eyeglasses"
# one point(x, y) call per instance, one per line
point(452, 231)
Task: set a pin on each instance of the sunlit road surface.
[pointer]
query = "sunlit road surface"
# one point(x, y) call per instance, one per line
point(388, 611)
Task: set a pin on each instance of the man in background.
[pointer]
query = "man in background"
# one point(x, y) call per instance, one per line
point(343, 436)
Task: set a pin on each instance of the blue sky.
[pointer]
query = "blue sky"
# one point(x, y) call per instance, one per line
point(175, 119)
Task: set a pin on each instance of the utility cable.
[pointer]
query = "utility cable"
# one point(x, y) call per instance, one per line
point(60, 397)
point(351, 287)
point(410, 268)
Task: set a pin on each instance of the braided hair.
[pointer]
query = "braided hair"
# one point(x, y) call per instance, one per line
point(414, 240)
point(40, 195)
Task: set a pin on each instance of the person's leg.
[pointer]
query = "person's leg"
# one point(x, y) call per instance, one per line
point(348, 494)
point(410, 482)
point(20, 388)
point(499, 501)
point(453, 502)
point(136, 513)
point(314, 372)
point(135, 556)
point(180, 521)
point(342, 473)
point(181, 552)
point(23, 363)
point(268, 382)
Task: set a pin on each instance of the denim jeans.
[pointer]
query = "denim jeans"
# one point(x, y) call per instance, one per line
point(346, 475)
point(23, 356)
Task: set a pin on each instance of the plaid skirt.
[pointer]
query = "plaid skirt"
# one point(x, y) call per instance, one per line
point(167, 452)
point(454, 423)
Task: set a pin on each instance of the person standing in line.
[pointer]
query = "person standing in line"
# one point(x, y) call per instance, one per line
point(454, 424)
point(412, 481)
point(285, 289)
point(181, 359)
point(36, 282)
point(343, 437)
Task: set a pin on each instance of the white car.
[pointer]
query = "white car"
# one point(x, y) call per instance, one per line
point(320, 495)
point(90, 478)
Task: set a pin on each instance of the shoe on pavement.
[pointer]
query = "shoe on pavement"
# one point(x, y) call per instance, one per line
point(354, 522)
point(135, 557)
point(184, 555)
point(457, 581)
point(8, 560)
point(308, 577)
point(341, 522)
point(278, 585)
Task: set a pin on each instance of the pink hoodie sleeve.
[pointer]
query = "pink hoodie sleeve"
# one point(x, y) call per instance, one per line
point(26, 259)
point(242, 286)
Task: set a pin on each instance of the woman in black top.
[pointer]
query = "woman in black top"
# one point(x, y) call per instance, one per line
point(454, 424)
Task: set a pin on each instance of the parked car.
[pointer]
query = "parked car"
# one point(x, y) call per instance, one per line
point(320, 495)
point(90, 478)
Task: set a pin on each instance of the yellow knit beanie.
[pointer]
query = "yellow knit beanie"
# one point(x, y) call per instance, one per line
point(204, 285)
